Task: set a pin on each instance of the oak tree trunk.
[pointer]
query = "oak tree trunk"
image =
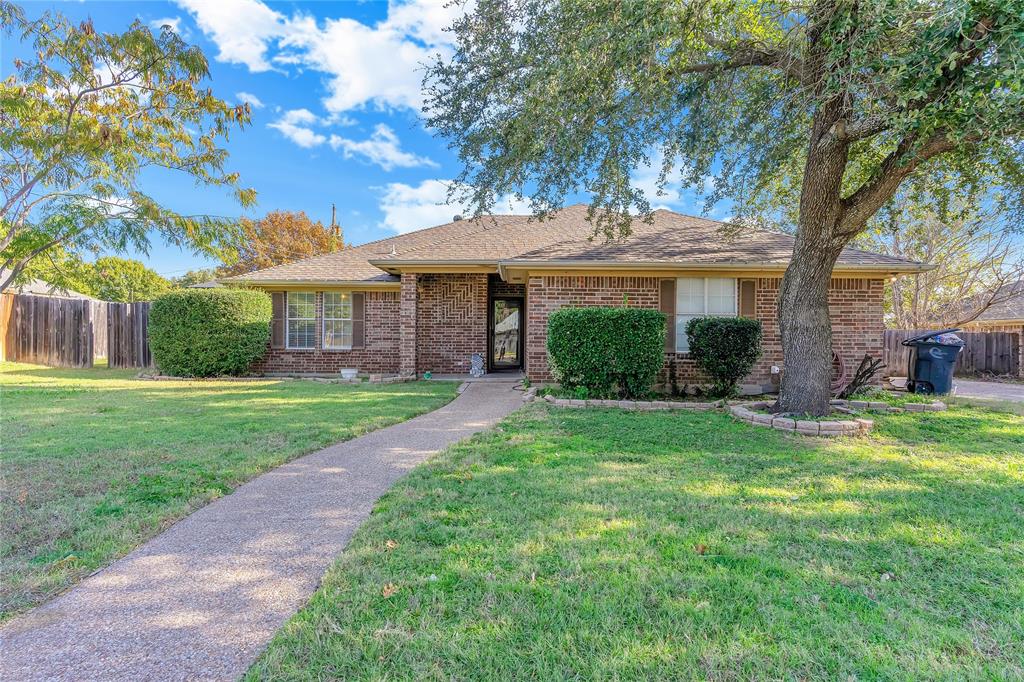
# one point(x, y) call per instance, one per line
point(805, 327)
point(804, 323)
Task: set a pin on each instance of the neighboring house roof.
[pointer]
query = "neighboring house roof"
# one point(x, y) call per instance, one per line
point(566, 238)
point(1010, 304)
point(212, 284)
point(38, 287)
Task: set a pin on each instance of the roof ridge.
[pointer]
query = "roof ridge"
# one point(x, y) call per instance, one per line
point(484, 228)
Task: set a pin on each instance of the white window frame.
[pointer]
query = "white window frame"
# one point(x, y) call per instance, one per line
point(325, 319)
point(682, 340)
point(288, 319)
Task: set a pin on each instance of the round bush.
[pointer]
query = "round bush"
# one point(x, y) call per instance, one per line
point(608, 351)
point(726, 348)
point(209, 332)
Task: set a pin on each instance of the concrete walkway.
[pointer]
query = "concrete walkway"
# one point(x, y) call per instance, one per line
point(202, 600)
point(992, 390)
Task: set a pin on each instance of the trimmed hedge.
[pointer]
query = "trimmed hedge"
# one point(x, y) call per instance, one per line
point(607, 351)
point(209, 332)
point(726, 348)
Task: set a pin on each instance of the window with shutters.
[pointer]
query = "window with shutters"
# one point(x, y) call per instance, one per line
point(700, 297)
point(301, 319)
point(337, 320)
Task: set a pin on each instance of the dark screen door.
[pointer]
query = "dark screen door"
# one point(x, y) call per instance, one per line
point(506, 333)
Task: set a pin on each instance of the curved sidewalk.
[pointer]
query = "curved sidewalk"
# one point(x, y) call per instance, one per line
point(201, 600)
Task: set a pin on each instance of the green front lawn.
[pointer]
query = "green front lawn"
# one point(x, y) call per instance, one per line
point(601, 544)
point(95, 461)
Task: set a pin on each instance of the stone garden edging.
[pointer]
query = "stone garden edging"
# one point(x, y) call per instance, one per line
point(827, 428)
point(747, 412)
point(625, 404)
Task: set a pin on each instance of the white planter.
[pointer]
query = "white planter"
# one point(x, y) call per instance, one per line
point(349, 373)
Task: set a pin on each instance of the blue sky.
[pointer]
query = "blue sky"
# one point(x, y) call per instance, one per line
point(335, 91)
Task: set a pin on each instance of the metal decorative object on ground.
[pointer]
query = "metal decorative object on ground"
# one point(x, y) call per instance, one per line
point(476, 365)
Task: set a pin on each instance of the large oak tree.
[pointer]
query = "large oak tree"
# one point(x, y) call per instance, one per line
point(840, 100)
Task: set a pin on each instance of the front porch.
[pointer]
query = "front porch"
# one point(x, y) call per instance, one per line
point(446, 318)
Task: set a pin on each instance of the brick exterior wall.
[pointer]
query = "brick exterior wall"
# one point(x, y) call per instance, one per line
point(407, 325)
point(451, 321)
point(856, 306)
point(380, 353)
point(500, 288)
point(437, 321)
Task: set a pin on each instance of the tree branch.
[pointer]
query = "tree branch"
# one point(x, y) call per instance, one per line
point(749, 55)
point(875, 192)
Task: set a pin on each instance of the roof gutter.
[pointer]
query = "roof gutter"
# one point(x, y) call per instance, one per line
point(732, 266)
point(360, 283)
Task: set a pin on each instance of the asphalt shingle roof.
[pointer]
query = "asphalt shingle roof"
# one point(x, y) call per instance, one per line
point(565, 236)
point(1010, 305)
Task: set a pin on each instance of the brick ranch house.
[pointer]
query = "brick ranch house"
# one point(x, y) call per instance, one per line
point(428, 300)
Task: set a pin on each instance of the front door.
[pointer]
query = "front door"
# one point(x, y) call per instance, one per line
point(506, 338)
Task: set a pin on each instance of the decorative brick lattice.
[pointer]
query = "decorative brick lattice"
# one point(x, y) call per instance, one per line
point(451, 321)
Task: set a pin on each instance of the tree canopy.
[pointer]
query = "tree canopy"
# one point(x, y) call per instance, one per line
point(276, 238)
point(80, 122)
point(123, 280)
point(839, 101)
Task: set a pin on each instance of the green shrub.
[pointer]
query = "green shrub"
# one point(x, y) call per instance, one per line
point(726, 348)
point(209, 332)
point(607, 351)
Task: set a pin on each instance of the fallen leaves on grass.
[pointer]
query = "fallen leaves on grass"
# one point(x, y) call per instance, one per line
point(390, 590)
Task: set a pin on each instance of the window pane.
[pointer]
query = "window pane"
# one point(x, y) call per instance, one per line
point(690, 296)
point(301, 333)
point(721, 296)
point(337, 305)
point(682, 340)
point(337, 334)
point(301, 304)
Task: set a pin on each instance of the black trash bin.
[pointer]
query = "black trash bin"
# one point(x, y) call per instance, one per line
point(931, 362)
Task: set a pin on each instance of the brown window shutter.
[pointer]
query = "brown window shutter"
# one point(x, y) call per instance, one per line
point(668, 306)
point(748, 306)
point(277, 301)
point(358, 320)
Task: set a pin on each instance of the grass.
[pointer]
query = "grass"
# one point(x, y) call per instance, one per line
point(612, 545)
point(895, 398)
point(94, 461)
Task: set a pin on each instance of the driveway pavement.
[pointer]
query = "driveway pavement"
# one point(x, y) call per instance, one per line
point(202, 600)
point(989, 389)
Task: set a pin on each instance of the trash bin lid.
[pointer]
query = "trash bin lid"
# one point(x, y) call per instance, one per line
point(922, 337)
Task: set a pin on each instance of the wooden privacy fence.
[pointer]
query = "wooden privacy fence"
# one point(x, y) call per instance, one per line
point(983, 353)
point(47, 331)
point(127, 342)
point(67, 332)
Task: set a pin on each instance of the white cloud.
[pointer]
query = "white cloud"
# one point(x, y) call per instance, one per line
point(645, 179)
point(407, 208)
point(295, 125)
point(173, 22)
point(674, 195)
point(250, 99)
point(382, 148)
point(367, 65)
point(241, 29)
